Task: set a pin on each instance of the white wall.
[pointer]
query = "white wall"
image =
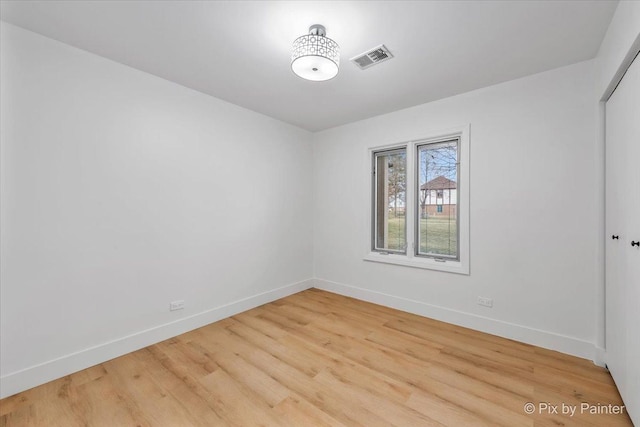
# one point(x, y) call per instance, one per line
point(533, 218)
point(617, 45)
point(122, 192)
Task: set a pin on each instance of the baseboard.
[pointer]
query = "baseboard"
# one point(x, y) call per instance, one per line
point(540, 338)
point(600, 357)
point(42, 373)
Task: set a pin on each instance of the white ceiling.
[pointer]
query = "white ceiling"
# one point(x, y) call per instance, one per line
point(240, 51)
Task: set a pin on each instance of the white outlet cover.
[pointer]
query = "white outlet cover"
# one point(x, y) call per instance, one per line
point(176, 305)
point(486, 302)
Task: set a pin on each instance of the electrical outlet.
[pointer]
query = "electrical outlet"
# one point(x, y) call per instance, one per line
point(486, 302)
point(176, 305)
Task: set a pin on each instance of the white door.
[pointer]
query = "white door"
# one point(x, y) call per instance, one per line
point(623, 231)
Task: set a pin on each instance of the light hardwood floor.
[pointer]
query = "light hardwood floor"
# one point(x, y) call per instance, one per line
point(320, 359)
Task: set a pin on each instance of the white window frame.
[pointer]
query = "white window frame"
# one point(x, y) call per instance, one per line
point(410, 258)
point(390, 150)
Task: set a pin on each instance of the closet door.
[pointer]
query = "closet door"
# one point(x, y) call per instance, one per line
point(623, 238)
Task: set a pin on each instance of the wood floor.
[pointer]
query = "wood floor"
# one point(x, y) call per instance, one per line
point(320, 359)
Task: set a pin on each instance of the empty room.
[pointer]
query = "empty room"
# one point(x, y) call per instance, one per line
point(320, 213)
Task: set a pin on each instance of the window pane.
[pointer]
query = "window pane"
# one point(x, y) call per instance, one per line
point(389, 188)
point(438, 200)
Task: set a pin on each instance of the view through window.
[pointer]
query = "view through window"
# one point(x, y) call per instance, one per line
point(389, 187)
point(437, 219)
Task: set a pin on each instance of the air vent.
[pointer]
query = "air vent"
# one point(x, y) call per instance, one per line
point(372, 57)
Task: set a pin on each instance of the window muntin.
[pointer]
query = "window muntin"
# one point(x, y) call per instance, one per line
point(437, 219)
point(389, 201)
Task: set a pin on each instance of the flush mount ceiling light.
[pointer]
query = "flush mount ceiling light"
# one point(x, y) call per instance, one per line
point(315, 56)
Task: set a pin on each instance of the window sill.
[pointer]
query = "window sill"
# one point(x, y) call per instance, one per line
point(425, 263)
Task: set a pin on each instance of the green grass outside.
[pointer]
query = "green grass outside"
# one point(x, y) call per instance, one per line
point(438, 235)
point(396, 238)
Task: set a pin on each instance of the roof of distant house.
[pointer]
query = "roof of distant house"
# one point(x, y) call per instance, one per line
point(439, 183)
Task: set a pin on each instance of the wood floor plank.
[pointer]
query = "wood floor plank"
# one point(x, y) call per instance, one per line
point(105, 404)
point(321, 359)
point(239, 405)
point(177, 381)
point(252, 378)
point(304, 357)
point(444, 411)
point(578, 386)
point(515, 381)
point(445, 340)
point(479, 388)
point(144, 395)
point(265, 328)
point(393, 413)
point(299, 412)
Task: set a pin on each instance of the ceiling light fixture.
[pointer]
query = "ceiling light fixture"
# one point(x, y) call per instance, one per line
point(315, 56)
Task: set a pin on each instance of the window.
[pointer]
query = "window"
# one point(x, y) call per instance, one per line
point(419, 209)
point(389, 195)
point(437, 226)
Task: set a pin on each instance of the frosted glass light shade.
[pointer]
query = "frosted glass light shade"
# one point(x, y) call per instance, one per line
point(315, 57)
point(314, 67)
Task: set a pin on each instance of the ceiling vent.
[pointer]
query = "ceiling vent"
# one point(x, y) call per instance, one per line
point(372, 57)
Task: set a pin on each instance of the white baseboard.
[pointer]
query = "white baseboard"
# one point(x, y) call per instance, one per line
point(600, 357)
point(39, 374)
point(525, 334)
